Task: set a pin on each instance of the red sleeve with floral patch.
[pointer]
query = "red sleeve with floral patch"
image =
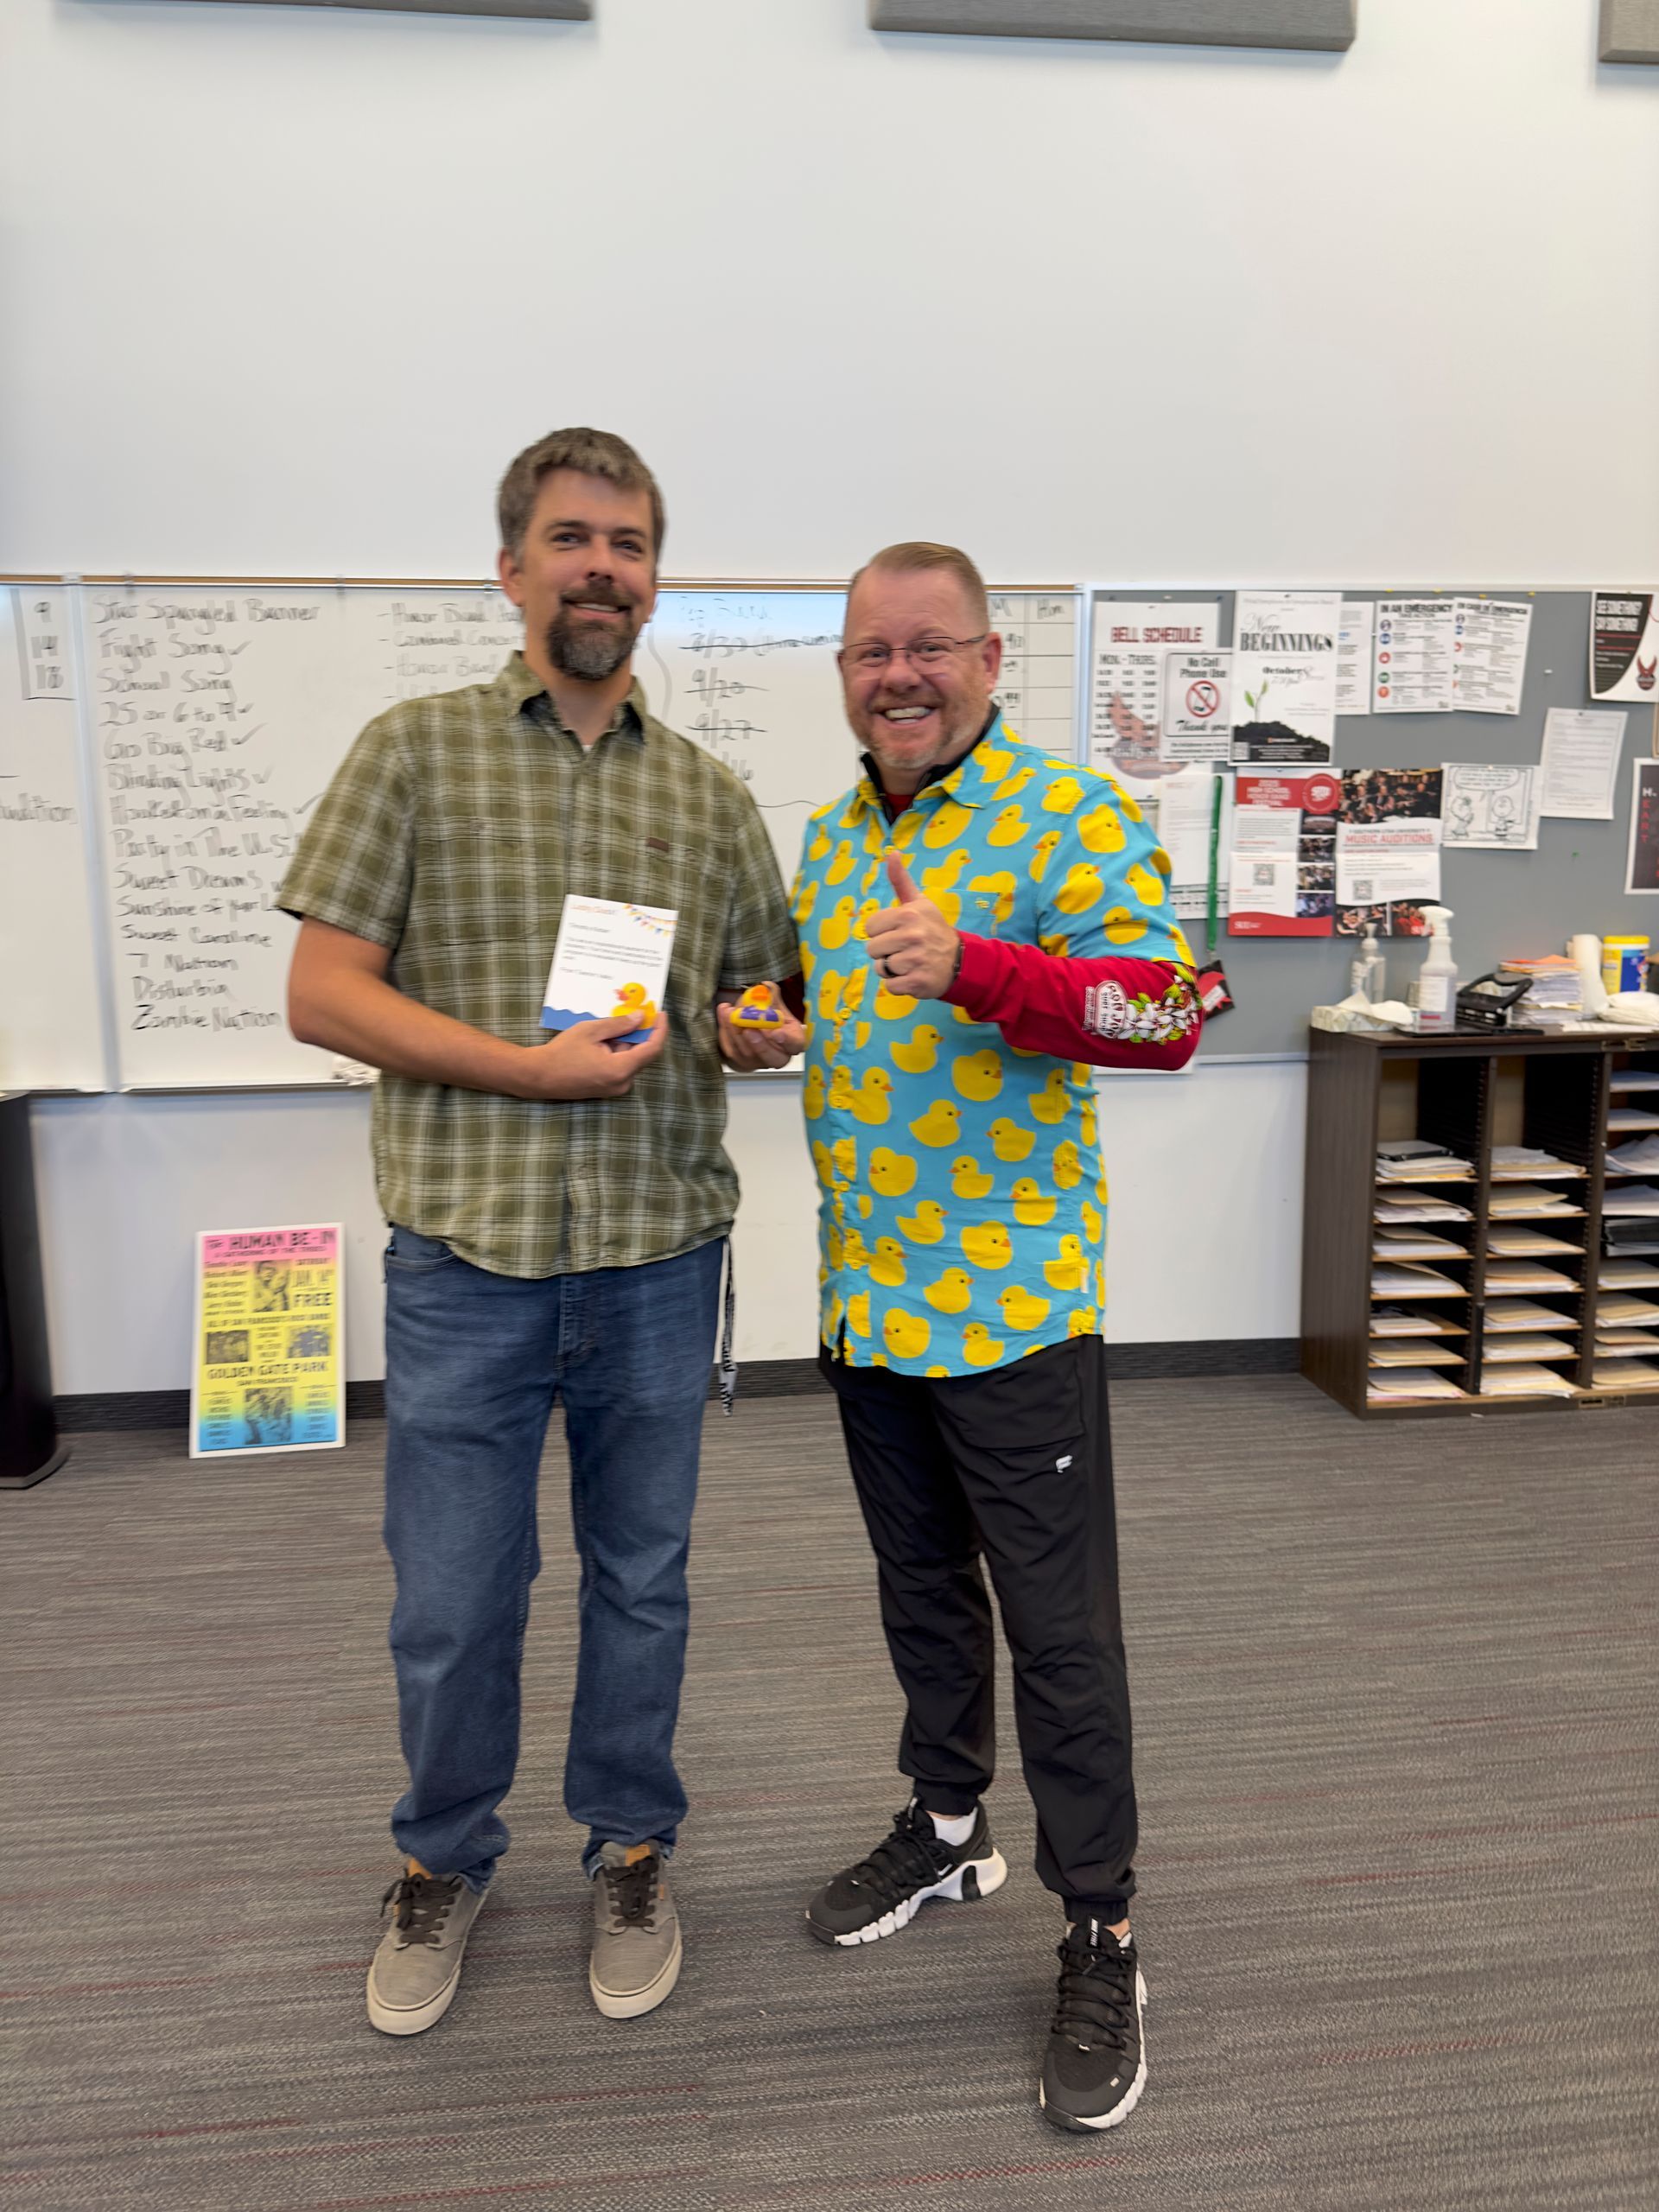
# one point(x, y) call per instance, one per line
point(1112, 1012)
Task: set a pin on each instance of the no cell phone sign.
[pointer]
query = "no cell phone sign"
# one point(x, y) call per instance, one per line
point(1203, 700)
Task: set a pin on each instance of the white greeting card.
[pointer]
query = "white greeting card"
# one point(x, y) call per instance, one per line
point(611, 958)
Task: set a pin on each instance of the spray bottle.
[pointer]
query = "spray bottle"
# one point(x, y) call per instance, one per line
point(1434, 994)
point(1368, 975)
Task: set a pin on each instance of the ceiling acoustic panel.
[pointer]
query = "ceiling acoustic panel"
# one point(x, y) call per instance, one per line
point(1323, 26)
point(552, 11)
point(1629, 30)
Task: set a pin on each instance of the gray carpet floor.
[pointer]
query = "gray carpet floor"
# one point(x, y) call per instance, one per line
point(1395, 1701)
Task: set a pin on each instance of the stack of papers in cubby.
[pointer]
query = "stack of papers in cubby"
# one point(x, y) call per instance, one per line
point(1631, 1117)
point(1620, 1310)
point(1418, 1206)
point(1400, 1321)
point(1506, 1350)
point(1411, 1383)
point(1626, 1374)
point(1624, 1343)
point(1506, 1315)
point(1633, 1159)
point(1526, 1274)
point(1396, 1279)
point(1629, 1274)
point(1415, 1244)
point(1630, 1199)
point(1530, 1198)
point(1408, 1352)
point(1525, 1383)
point(1414, 1162)
point(1511, 1162)
point(1629, 1079)
point(1528, 1243)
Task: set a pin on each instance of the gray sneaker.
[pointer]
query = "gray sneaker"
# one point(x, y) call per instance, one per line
point(416, 1970)
point(636, 1959)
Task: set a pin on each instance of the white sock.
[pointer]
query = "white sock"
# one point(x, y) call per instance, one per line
point(954, 1832)
point(1122, 1942)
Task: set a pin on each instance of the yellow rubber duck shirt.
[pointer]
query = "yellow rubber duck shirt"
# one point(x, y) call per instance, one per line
point(961, 1219)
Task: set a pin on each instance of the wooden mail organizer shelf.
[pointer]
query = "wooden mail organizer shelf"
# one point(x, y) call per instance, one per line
point(1477, 1235)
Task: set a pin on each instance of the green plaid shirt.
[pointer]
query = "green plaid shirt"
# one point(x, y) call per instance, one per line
point(450, 835)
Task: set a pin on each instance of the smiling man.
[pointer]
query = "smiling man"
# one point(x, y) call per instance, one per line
point(559, 1209)
point(982, 925)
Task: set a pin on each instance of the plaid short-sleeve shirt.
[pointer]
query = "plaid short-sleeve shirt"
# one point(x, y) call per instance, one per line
point(451, 835)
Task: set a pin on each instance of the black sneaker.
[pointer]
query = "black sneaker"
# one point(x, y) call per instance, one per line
point(1096, 2065)
point(883, 1892)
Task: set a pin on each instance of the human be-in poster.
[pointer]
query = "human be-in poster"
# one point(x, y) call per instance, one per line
point(269, 1369)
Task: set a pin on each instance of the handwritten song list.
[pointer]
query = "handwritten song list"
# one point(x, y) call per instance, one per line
point(220, 716)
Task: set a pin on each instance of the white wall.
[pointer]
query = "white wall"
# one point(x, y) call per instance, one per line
point(288, 286)
point(1206, 1216)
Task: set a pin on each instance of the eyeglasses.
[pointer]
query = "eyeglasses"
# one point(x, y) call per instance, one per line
point(927, 653)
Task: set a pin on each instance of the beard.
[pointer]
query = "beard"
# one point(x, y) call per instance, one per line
point(588, 651)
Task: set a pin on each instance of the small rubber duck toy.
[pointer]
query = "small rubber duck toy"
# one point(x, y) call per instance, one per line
point(630, 1000)
point(758, 1008)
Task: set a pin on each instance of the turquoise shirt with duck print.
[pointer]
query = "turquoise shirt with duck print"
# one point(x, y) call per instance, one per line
point(963, 1203)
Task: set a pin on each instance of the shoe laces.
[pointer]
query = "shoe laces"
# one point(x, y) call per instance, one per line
point(420, 1906)
point(1097, 1996)
point(630, 1892)
point(909, 1859)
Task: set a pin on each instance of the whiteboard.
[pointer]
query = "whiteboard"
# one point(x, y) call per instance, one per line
point(51, 1027)
point(751, 674)
point(220, 712)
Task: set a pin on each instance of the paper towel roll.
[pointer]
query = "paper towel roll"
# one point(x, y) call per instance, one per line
point(1584, 953)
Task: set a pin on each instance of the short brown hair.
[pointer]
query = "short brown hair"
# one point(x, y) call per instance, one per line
point(916, 555)
point(590, 453)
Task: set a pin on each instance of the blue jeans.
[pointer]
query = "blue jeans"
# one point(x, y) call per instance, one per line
point(475, 1363)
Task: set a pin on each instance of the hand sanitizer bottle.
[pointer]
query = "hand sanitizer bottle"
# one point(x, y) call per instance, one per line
point(1434, 994)
point(1369, 975)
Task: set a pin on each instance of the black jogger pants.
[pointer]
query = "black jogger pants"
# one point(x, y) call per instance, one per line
point(1015, 1464)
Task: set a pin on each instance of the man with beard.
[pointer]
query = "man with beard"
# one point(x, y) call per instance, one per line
point(559, 1209)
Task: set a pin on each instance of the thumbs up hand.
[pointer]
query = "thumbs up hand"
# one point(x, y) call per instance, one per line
point(915, 950)
point(898, 876)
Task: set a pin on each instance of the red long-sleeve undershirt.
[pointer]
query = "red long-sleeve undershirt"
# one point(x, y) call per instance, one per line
point(1037, 998)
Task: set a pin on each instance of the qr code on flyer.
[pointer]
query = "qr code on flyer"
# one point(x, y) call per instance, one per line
point(1362, 891)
